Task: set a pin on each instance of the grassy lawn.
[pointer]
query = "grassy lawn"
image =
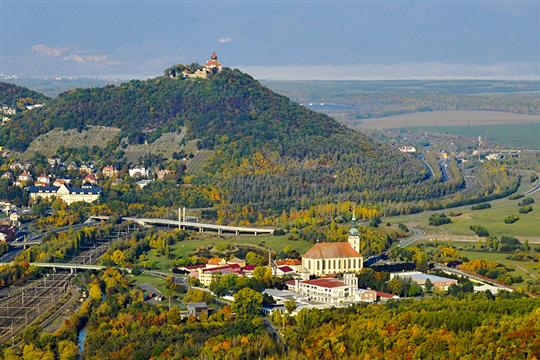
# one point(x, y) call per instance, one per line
point(527, 227)
point(185, 248)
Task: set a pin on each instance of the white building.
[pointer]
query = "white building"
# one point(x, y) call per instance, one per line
point(437, 282)
point(140, 172)
point(407, 149)
point(66, 193)
point(327, 290)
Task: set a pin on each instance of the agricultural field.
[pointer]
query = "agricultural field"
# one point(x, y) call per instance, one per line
point(516, 136)
point(513, 130)
point(197, 163)
point(47, 144)
point(447, 119)
point(187, 247)
point(526, 228)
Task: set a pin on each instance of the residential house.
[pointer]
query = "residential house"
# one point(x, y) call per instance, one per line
point(197, 309)
point(110, 171)
point(294, 264)
point(43, 180)
point(216, 261)
point(384, 297)
point(238, 261)
point(90, 179)
point(138, 172)
point(164, 174)
point(366, 295)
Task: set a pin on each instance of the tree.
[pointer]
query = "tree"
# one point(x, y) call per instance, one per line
point(290, 306)
point(429, 286)
point(396, 286)
point(67, 350)
point(247, 303)
point(172, 287)
point(95, 291)
point(118, 257)
point(414, 289)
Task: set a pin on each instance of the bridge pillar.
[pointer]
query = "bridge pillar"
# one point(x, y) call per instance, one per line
point(201, 230)
point(219, 231)
point(237, 232)
point(255, 233)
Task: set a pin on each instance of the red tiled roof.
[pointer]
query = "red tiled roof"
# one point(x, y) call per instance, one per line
point(216, 261)
point(289, 262)
point(331, 250)
point(325, 282)
point(230, 268)
point(249, 267)
point(290, 282)
point(385, 295)
point(285, 269)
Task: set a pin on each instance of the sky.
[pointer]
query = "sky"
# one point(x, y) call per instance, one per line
point(273, 39)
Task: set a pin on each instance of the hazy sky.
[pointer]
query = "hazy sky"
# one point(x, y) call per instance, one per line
point(273, 39)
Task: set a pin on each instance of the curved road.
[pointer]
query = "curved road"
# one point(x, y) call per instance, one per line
point(533, 190)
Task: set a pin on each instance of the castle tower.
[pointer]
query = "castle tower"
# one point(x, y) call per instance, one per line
point(213, 65)
point(354, 235)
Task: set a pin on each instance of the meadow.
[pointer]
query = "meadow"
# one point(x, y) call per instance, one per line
point(187, 247)
point(526, 228)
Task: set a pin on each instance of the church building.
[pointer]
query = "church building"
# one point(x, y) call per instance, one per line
point(335, 257)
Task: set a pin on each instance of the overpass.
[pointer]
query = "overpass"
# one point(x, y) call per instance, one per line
point(69, 266)
point(201, 227)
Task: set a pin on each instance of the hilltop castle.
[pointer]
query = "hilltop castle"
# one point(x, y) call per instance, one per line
point(212, 66)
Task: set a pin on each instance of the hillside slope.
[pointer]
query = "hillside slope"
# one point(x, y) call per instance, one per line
point(10, 93)
point(268, 151)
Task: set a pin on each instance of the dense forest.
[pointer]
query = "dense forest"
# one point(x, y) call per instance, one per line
point(120, 325)
point(269, 152)
point(10, 94)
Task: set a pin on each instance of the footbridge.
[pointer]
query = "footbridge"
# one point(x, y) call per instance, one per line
point(201, 227)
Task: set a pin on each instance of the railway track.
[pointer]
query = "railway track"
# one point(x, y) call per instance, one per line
point(26, 304)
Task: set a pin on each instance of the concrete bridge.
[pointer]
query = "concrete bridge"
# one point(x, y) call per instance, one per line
point(70, 266)
point(201, 227)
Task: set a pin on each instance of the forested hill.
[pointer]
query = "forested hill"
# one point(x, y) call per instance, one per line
point(10, 93)
point(269, 151)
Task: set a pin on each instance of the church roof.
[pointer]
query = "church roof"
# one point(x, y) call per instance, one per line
point(331, 251)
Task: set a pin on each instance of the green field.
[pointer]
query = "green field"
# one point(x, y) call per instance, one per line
point(527, 227)
point(512, 135)
point(185, 248)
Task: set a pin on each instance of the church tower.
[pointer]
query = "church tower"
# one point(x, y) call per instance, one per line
point(354, 235)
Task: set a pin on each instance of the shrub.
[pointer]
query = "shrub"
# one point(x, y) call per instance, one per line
point(439, 219)
point(481, 206)
point(525, 209)
point(511, 219)
point(526, 201)
point(479, 230)
point(515, 196)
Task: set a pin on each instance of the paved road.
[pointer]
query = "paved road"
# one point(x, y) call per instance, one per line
point(533, 190)
point(416, 235)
